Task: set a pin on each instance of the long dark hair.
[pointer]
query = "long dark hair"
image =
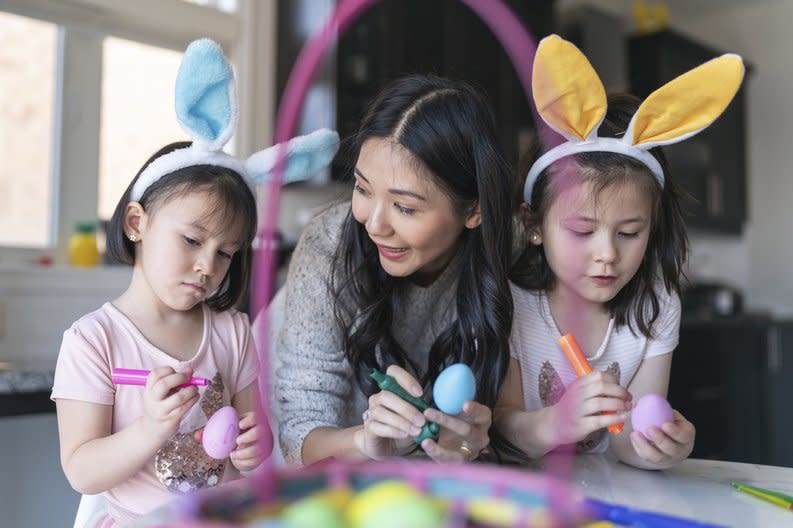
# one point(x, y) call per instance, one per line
point(667, 247)
point(448, 128)
point(233, 200)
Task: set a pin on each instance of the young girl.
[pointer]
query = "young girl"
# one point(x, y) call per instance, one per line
point(606, 246)
point(186, 223)
point(408, 278)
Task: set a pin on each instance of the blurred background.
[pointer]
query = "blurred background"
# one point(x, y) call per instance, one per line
point(86, 96)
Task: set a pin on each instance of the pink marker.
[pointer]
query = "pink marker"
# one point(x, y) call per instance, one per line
point(122, 376)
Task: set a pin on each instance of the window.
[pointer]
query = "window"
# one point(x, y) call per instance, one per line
point(137, 113)
point(70, 117)
point(27, 94)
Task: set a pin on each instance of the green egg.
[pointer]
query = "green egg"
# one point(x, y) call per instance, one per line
point(312, 513)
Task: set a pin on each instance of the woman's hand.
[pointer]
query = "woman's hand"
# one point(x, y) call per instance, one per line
point(249, 452)
point(581, 409)
point(463, 436)
point(667, 446)
point(165, 403)
point(390, 422)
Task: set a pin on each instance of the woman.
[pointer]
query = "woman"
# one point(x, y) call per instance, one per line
point(409, 277)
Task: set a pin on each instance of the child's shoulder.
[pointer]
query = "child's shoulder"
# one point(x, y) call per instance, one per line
point(523, 298)
point(101, 319)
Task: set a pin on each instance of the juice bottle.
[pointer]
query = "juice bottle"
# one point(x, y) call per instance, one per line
point(83, 250)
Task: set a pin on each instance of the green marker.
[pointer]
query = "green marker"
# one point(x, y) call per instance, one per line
point(387, 383)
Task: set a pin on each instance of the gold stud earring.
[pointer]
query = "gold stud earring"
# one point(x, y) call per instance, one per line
point(133, 237)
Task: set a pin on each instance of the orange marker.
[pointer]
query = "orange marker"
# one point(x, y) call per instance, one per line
point(581, 367)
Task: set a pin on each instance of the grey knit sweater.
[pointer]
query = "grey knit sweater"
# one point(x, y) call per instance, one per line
point(314, 384)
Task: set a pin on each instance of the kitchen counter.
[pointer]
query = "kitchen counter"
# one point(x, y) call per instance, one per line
point(25, 388)
point(696, 489)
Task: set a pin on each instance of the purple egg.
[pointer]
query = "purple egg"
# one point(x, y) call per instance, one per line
point(220, 433)
point(650, 410)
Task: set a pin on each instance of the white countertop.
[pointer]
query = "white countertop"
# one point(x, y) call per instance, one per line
point(696, 489)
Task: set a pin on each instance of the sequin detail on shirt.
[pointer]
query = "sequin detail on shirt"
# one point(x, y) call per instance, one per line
point(181, 464)
point(552, 389)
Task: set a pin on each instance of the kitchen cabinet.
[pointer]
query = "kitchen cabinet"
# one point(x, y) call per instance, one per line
point(711, 166)
point(731, 377)
point(394, 38)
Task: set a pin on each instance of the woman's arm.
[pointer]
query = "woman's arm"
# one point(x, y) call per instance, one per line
point(90, 454)
point(673, 442)
point(314, 383)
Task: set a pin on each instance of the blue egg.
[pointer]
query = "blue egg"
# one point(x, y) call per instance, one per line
point(454, 386)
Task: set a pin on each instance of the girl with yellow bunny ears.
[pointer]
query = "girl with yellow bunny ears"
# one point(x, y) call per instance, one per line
point(606, 247)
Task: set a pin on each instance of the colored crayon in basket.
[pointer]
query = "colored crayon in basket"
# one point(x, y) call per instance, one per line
point(122, 376)
point(581, 367)
point(774, 497)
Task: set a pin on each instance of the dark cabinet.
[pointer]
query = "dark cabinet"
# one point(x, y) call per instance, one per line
point(711, 166)
point(398, 37)
point(733, 379)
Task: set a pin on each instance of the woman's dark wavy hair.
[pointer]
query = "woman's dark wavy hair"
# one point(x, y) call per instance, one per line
point(233, 201)
point(450, 130)
point(667, 247)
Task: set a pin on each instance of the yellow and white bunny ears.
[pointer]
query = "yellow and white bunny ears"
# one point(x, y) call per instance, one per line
point(571, 99)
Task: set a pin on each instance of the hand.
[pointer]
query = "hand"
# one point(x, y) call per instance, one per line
point(392, 422)
point(580, 410)
point(252, 443)
point(667, 446)
point(165, 403)
point(469, 429)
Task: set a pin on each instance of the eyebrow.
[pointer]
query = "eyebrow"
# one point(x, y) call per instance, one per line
point(400, 192)
point(637, 219)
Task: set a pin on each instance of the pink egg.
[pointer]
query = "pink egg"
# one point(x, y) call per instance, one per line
point(650, 410)
point(220, 433)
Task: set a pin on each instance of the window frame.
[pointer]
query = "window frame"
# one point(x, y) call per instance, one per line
point(247, 37)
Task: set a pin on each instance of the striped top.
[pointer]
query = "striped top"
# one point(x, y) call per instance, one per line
point(544, 369)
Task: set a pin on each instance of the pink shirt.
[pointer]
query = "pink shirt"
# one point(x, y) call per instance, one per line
point(106, 339)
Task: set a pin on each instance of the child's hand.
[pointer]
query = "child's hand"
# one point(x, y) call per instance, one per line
point(251, 443)
point(580, 410)
point(164, 403)
point(667, 446)
point(391, 422)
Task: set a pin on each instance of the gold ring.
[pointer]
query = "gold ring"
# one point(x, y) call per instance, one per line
point(466, 451)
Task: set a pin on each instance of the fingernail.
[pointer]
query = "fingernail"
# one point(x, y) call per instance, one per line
point(420, 421)
point(431, 414)
point(415, 431)
point(429, 448)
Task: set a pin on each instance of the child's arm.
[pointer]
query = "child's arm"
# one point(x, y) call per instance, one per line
point(578, 413)
point(669, 445)
point(93, 459)
point(255, 441)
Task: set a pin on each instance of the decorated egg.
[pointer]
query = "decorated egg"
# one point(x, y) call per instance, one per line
point(220, 433)
point(454, 386)
point(650, 410)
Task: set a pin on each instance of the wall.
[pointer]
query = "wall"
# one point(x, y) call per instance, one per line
point(759, 261)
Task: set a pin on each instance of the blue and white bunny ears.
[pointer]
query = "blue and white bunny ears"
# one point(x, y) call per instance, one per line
point(206, 107)
point(571, 99)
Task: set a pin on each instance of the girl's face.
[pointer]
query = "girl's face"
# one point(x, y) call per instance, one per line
point(409, 218)
point(184, 253)
point(595, 243)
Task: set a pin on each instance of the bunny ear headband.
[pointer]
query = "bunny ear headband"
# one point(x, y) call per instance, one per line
point(206, 107)
point(571, 99)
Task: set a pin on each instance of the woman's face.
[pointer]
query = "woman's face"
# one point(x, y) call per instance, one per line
point(408, 217)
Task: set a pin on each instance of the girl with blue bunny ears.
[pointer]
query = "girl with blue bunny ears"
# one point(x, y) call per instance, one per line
point(186, 224)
